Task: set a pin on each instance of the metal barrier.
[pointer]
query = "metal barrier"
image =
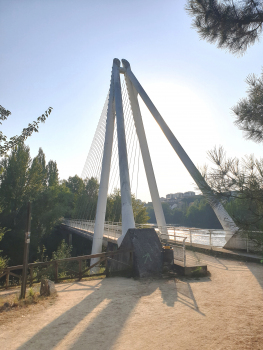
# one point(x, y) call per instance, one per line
point(113, 230)
point(178, 245)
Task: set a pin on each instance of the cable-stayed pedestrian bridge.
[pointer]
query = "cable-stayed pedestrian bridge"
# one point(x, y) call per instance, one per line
point(113, 160)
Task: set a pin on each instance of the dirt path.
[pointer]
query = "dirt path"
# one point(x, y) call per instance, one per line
point(223, 311)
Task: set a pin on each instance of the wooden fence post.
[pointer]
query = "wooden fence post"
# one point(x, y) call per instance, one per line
point(31, 276)
point(26, 252)
point(56, 271)
point(106, 268)
point(80, 270)
point(7, 278)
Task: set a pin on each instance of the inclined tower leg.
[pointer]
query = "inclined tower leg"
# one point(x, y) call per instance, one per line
point(104, 181)
point(126, 201)
point(158, 210)
point(226, 221)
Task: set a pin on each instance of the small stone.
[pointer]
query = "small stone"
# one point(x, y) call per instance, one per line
point(47, 287)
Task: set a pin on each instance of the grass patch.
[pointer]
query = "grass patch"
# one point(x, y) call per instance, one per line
point(9, 302)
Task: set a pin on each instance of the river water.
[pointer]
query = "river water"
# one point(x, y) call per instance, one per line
point(199, 236)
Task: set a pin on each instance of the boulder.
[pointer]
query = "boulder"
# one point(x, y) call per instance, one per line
point(47, 287)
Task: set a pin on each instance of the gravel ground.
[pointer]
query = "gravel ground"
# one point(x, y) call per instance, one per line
point(222, 311)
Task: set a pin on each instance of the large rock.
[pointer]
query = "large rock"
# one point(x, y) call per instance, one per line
point(47, 287)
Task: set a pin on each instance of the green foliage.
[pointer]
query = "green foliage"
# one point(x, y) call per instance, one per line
point(86, 200)
point(201, 215)
point(3, 260)
point(63, 251)
point(26, 132)
point(249, 111)
point(23, 179)
point(233, 25)
point(113, 212)
point(191, 214)
point(31, 292)
point(139, 211)
point(239, 185)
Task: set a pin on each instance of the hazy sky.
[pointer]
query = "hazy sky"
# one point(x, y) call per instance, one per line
point(59, 53)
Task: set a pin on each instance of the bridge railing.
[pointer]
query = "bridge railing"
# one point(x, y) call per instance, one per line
point(113, 230)
point(209, 237)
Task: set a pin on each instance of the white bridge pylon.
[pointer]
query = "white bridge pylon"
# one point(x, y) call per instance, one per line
point(115, 108)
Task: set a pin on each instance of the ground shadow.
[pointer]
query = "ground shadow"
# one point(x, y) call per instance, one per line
point(257, 270)
point(181, 292)
point(90, 313)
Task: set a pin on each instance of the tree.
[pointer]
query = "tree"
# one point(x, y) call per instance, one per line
point(233, 25)
point(52, 173)
point(249, 111)
point(75, 184)
point(113, 212)
point(239, 185)
point(201, 215)
point(86, 202)
point(3, 260)
point(139, 211)
point(24, 179)
point(26, 132)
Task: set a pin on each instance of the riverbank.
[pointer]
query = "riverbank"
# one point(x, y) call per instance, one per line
point(221, 311)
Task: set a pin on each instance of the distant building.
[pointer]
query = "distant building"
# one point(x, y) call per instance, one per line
point(189, 194)
point(175, 197)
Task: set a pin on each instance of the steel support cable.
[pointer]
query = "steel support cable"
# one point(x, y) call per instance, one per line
point(96, 175)
point(127, 122)
point(115, 168)
point(91, 213)
point(96, 150)
point(94, 203)
point(89, 167)
point(115, 164)
point(129, 134)
point(132, 139)
point(138, 173)
point(92, 155)
point(101, 120)
point(85, 207)
point(130, 142)
point(129, 117)
point(134, 160)
point(96, 154)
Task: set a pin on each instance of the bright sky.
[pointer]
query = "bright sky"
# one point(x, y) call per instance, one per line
point(59, 53)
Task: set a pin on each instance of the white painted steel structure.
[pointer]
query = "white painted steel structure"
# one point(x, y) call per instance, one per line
point(222, 215)
point(157, 205)
point(126, 201)
point(115, 107)
point(104, 180)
